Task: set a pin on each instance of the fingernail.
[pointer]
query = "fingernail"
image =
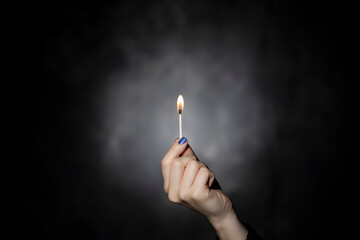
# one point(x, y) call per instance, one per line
point(182, 140)
point(211, 181)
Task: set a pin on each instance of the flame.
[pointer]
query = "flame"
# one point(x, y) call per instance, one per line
point(180, 104)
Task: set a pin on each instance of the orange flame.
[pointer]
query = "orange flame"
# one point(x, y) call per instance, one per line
point(180, 104)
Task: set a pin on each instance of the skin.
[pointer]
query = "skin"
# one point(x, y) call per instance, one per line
point(187, 181)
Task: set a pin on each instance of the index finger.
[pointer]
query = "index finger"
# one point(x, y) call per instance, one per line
point(174, 152)
point(188, 151)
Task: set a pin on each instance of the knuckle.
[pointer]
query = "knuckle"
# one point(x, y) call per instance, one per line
point(183, 194)
point(164, 163)
point(196, 196)
point(203, 170)
point(177, 163)
point(192, 163)
point(173, 198)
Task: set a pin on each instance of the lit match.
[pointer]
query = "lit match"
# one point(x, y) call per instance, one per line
point(180, 109)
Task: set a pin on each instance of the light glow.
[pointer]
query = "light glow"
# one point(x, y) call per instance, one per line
point(180, 104)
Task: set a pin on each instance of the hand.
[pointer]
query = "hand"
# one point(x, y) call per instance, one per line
point(187, 181)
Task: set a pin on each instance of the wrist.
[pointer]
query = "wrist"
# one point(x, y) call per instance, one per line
point(229, 227)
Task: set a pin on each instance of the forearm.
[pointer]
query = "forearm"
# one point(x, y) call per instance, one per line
point(229, 227)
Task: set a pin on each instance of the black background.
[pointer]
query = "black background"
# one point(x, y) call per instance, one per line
point(301, 71)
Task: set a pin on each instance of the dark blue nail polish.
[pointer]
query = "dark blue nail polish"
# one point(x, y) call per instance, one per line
point(182, 140)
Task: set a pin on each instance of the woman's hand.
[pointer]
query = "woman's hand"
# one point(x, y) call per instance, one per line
point(187, 181)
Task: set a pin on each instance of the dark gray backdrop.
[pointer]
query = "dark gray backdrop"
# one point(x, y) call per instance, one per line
point(266, 96)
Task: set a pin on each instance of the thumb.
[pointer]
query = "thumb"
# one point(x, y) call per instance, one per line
point(188, 151)
point(177, 148)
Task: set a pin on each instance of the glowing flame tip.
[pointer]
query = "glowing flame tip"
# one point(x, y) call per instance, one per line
point(180, 104)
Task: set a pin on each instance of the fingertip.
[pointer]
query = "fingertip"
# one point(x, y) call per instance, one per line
point(211, 181)
point(182, 140)
point(178, 147)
